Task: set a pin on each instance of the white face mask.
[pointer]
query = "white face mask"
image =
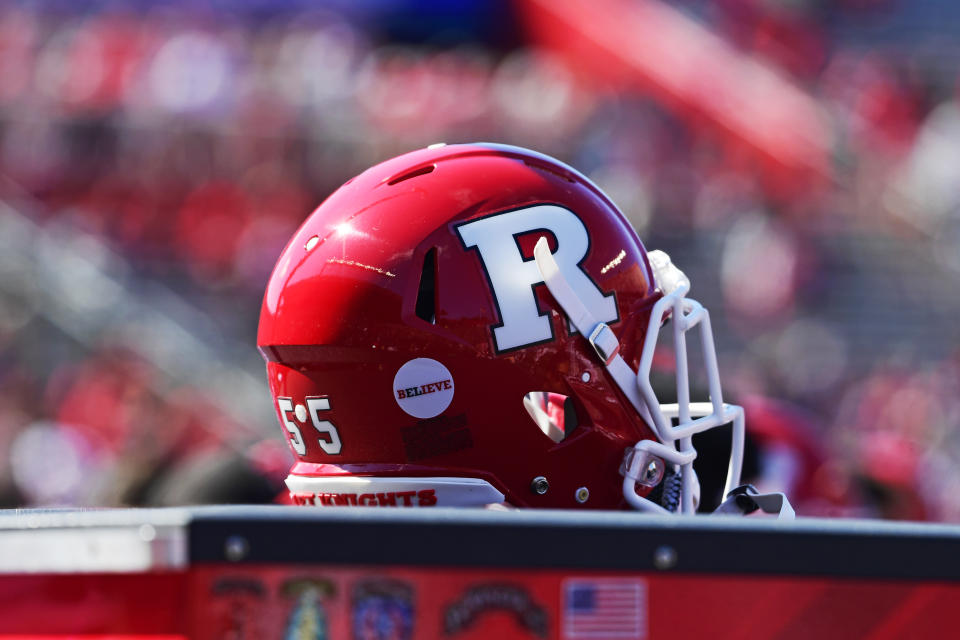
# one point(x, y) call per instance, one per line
point(647, 462)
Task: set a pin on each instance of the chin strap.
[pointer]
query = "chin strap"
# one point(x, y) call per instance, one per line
point(598, 334)
point(745, 500)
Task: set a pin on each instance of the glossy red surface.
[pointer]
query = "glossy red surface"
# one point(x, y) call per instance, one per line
point(339, 319)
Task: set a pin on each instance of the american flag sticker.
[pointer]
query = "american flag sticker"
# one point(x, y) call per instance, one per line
point(605, 608)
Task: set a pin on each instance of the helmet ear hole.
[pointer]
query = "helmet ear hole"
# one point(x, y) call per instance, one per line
point(553, 413)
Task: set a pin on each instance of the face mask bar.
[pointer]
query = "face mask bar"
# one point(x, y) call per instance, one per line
point(675, 442)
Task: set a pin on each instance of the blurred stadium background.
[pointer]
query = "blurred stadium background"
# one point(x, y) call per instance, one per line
point(799, 159)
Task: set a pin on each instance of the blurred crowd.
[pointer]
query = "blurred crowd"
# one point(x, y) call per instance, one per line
point(165, 154)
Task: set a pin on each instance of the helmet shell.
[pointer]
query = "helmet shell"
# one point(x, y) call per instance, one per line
point(347, 307)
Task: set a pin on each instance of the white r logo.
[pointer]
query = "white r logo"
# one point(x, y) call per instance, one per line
point(512, 278)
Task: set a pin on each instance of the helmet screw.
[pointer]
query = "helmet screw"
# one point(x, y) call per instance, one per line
point(582, 495)
point(539, 485)
point(653, 473)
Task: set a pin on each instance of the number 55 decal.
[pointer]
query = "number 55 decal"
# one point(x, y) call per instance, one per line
point(330, 443)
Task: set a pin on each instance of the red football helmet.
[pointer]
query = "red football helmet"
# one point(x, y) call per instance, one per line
point(464, 324)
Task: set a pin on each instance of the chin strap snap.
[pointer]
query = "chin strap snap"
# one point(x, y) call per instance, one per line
point(745, 499)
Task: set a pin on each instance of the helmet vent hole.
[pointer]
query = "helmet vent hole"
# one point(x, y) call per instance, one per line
point(548, 169)
point(553, 413)
point(426, 296)
point(422, 171)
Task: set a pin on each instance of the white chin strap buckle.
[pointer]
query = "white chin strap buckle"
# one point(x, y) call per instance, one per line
point(604, 342)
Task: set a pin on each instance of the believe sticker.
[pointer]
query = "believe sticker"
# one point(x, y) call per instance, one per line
point(423, 388)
